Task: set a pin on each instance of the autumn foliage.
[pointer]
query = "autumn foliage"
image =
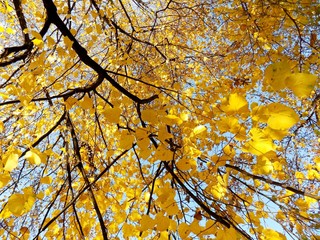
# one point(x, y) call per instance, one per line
point(159, 119)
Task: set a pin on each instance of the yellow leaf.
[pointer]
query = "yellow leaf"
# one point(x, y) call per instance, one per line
point(310, 200)
point(112, 114)
point(70, 102)
point(238, 219)
point(25, 233)
point(86, 102)
point(172, 209)
point(33, 157)
point(264, 165)
point(1, 126)
point(126, 141)
point(199, 129)
point(236, 103)
point(184, 116)
point(147, 196)
point(269, 234)
point(162, 221)
point(219, 189)
point(67, 42)
point(301, 84)
point(276, 134)
point(163, 133)
point(163, 154)
point(149, 115)
point(228, 124)
point(46, 180)
point(8, 7)
point(145, 153)
point(143, 143)
point(146, 223)
point(229, 151)
point(37, 42)
point(51, 41)
point(25, 99)
point(184, 164)
point(172, 119)
point(184, 230)
point(276, 74)
point(40, 195)
point(141, 133)
point(10, 30)
point(36, 34)
point(29, 202)
point(12, 162)
point(16, 204)
point(281, 116)
point(4, 179)
point(259, 143)
point(229, 233)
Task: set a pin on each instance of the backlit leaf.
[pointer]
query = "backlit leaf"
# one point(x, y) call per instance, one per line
point(16, 204)
point(301, 84)
point(112, 114)
point(146, 223)
point(236, 103)
point(126, 141)
point(276, 74)
point(12, 162)
point(86, 102)
point(172, 119)
point(199, 129)
point(281, 117)
point(33, 157)
point(4, 179)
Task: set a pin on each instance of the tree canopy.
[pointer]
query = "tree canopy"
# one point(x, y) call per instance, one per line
point(159, 119)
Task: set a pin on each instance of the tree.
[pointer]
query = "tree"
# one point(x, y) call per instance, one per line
point(159, 119)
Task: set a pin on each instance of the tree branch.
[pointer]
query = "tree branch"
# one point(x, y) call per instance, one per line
point(283, 185)
point(83, 54)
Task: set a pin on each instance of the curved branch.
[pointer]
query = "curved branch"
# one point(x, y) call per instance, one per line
point(83, 54)
point(283, 185)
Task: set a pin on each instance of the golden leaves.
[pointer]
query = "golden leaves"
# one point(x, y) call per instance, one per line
point(86, 103)
point(16, 204)
point(126, 140)
point(33, 157)
point(270, 234)
point(184, 230)
point(172, 119)
point(37, 38)
point(198, 130)
point(11, 162)
point(186, 163)
point(70, 102)
point(219, 188)
point(112, 114)
point(149, 115)
point(260, 143)
point(4, 179)
point(229, 233)
point(199, 113)
point(163, 154)
point(301, 84)
point(278, 76)
point(236, 103)
point(146, 223)
point(281, 117)
point(19, 203)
